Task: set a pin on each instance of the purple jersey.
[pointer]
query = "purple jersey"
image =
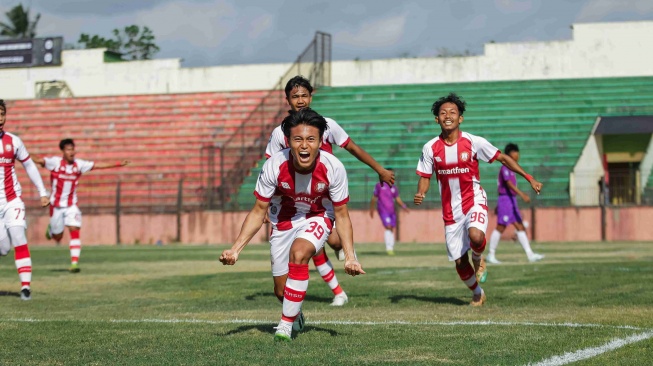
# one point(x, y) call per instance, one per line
point(386, 198)
point(506, 175)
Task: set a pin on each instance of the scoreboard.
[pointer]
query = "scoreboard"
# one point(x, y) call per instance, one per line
point(31, 52)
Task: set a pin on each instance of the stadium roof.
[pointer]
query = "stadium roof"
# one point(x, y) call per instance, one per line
point(623, 125)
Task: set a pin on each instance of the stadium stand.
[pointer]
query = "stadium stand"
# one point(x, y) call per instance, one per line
point(549, 119)
point(161, 134)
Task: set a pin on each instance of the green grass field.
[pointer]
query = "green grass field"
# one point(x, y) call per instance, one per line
point(178, 305)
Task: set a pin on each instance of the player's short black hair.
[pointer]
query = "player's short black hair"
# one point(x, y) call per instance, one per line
point(298, 81)
point(64, 142)
point(390, 169)
point(305, 116)
point(3, 105)
point(451, 98)
point(510, 148)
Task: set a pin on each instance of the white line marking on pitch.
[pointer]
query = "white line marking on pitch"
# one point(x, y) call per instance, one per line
point(333, 322)
point(586, 353)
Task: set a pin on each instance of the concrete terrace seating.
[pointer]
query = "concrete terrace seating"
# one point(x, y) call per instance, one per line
point(161, 134)
point(549, 119)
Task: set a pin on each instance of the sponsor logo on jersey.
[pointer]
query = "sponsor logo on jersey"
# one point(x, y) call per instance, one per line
point(464, 156)
point(285, 185)
point(66, 176)
point(451, 171)
point(320, 187)
point(306, 199)
point(4, 160)
point(8, 147)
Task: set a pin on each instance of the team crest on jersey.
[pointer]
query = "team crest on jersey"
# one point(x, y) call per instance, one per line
point(273, 210)
point(437, 158)
point(320, 187)
point(285, 185)
point(8, 147)
point(464, 156)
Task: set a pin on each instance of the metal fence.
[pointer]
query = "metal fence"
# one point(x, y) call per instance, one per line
point(224, 166)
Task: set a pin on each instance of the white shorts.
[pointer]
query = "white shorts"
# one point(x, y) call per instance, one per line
point(60, 217)
point(316, 230)
point(13, 213)
point(457, 235)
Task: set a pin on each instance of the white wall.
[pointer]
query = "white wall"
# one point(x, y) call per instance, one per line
point(596, 50)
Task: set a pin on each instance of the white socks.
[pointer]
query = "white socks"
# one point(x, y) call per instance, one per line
point(494, 242)
point(523, 240)
point(389, 240)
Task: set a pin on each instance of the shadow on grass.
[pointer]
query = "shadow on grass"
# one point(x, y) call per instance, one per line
point(59, 270)
point(267, 328)
point(9, 293)
point(437, 300)
point(271, 295)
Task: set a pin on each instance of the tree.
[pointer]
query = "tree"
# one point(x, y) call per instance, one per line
point(131, 42)
point(19, 25)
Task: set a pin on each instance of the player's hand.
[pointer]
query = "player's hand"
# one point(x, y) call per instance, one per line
point(45, 201)
point(526, 198)
point(353, 268)
point(418, 198)
point(387, 176)
point(229, 257)
point(537, 186)
point(266, 218)
point(371, 214)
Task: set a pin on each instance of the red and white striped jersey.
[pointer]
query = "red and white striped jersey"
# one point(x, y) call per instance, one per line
point(456, 168)
point(12, 149)
point(295, 197)
point(65, 178)
point(334, 134)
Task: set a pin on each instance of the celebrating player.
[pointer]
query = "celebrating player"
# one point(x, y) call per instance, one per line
point(299, 94)
point(383, 199)
point(508, 210)
point(453, 156)
point(65, 172)
point(305, 189)
point(12, 207)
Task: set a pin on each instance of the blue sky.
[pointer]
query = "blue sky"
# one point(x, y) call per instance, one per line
point(226, 32)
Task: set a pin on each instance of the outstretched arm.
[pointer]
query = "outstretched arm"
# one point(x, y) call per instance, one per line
point(385, 175)
point(251, 226)
point(39, 161)
point(111, 165)
point(346, 233)
point(511, 164)
point(422, 188)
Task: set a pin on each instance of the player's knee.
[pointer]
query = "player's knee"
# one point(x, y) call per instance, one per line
point(5, 246)
point(476, 238)
point(17, 235)
point(462, 262)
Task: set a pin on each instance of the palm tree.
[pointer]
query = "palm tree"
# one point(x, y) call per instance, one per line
point(19, 25)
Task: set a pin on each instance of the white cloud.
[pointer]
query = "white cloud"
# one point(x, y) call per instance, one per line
point(596, 10)
point(259, 25)
point(200, 24)
point(379, 33)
